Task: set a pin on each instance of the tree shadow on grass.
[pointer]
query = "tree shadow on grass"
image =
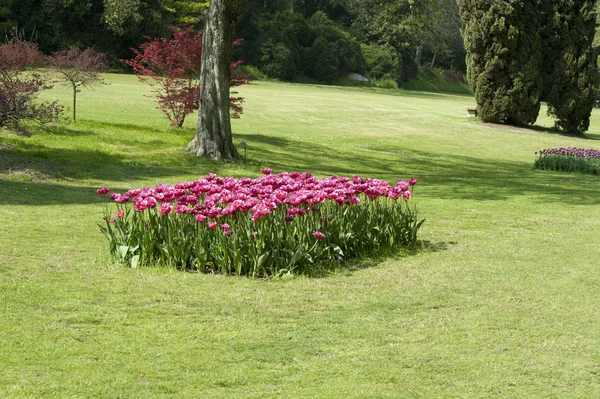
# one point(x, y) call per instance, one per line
point(47, 193)
point(68, 130)
point(389, 92)
point(538, 129)
point(556, 132)
point(90, 128)
point(69, 163)
point(147, 129)
point(441, 175)
point(41, 162)
point(355, 265)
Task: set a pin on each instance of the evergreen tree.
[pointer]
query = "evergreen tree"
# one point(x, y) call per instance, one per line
point(570, 73)
point(504, 58)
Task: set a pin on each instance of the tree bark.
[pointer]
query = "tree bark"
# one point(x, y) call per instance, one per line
point(213, 135)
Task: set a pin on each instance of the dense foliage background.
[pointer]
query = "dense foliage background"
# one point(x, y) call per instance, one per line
point(318, 40)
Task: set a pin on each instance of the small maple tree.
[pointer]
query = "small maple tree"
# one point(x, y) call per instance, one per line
point(79, 68)
point(19, 91)
point(172, 68)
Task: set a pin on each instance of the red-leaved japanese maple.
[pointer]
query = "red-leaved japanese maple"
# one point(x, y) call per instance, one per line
point(19, 91)
point(79, 68)
point(172, 68)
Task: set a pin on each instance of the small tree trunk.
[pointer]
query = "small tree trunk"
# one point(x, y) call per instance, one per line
point(213, 134)
point(74, 103)
point(419, 55)
point(433, 60)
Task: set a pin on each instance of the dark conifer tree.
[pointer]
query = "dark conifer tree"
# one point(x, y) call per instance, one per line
point(570, 72)
point(504, 58)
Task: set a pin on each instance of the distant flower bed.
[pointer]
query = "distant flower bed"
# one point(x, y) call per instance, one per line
point(268, 226)
point(569, 159)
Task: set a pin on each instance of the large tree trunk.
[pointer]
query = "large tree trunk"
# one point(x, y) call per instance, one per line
point(213, 134)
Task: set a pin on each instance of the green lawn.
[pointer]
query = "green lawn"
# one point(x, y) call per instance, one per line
point(505, 302)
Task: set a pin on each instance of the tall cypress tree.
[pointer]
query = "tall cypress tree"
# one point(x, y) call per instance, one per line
point(504, 58)
point(570, 72)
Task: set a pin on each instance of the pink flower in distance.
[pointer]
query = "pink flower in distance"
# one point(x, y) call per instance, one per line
point(200, 218)
point(318, 235)
point(255, 234)
point(103, 190)
point(412, 181)
point(406, 195)
point(289, 218)
point(266, 171)
point(212, 225)
point(112, 220)
point(120, 213)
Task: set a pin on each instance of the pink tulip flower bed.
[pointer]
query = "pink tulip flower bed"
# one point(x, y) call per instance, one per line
point(267, 226)
point(569, 159)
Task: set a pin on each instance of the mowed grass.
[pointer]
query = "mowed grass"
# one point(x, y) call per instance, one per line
point(503, 302)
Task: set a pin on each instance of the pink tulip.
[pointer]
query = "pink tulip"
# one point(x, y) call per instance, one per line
point(165, 209)
point(318, 235)
point(180, 209)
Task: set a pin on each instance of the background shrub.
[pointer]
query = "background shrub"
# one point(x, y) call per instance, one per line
point(387, 83)
point(19, 107)
point(382, 62)
point(454, 76)
point(320, 62)
point(251, 72)
point(276, 60)
point(288, 46)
